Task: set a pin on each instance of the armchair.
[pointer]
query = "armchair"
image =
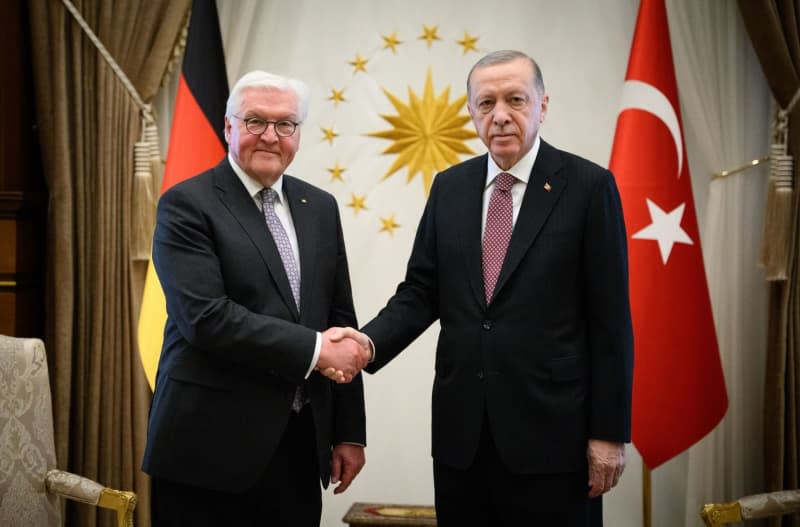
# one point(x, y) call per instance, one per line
point(751, 508)
point(30, 485)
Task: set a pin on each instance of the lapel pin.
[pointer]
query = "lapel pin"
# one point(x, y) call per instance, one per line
point(547, 186)
point(303, 200)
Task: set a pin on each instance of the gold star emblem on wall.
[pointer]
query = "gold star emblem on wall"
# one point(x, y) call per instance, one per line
point(391, 41)
point(328, 134)
point(337, 96)
point(468, 43)
point(336, 172)
point(428, 132)
point(429, 34)
point(357, 203)
point(359, 64)
point(388, 224)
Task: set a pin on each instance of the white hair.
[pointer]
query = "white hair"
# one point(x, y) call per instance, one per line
point(262, 79)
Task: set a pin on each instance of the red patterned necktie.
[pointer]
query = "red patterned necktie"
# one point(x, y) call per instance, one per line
point(499, 224)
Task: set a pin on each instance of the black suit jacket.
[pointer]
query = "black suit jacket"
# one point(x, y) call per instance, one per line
point(549, 360)
point(235, 346)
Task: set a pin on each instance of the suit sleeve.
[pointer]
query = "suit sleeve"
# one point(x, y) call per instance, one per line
point(608, 312)
point(414, 306)
point(190, 273)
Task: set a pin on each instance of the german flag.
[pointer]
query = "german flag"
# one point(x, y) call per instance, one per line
point(196, 144)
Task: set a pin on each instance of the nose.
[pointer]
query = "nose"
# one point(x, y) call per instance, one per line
point(501, 115)
point(269, 134)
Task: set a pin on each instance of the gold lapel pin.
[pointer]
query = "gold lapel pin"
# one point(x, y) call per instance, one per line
point(547, 186)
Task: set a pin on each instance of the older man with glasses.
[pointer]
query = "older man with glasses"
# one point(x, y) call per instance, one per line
point(252, 261)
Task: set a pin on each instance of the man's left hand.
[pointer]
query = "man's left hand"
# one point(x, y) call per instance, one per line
point(346, 463)
point(606, 463)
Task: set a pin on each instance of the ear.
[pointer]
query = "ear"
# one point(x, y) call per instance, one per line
point(227, 130)
point(543, 112)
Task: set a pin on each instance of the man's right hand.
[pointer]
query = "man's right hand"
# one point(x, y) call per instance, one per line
point(341, 359)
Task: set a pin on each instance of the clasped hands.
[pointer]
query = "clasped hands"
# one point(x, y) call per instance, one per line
point(344, 353)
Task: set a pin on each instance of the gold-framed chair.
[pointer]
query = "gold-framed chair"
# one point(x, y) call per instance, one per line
point(752, 507)
point(30, 484)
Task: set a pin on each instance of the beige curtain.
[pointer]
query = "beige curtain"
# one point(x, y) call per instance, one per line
point(88, 125)
point(774, 27)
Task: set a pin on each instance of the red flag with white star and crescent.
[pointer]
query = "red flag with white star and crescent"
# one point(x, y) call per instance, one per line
point(678, 385)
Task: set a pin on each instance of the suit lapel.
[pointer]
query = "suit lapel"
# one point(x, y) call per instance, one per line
point(470, 206)
point(240, 204)
point(537, 203)
point(304, 214)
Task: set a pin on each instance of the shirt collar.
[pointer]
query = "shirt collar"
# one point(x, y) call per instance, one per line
point(521, 170)
point(254, 187)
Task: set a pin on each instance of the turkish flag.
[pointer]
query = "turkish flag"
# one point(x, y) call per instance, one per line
point(196, 144)
point(678, 385)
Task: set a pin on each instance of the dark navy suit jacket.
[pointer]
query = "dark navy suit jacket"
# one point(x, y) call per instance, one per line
point(550, 359)
point(235, 346)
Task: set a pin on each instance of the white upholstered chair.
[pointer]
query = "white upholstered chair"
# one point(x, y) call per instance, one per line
point(30, 484)
point(753, 507)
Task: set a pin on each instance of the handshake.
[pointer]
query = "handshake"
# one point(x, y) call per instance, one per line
point(343, 354)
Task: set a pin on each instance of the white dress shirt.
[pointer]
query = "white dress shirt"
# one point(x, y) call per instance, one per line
point(521, 170)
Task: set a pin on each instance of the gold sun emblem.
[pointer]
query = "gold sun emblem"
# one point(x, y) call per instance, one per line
point(428, 132)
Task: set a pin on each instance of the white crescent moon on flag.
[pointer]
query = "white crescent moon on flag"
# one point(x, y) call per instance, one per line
point(638, 95)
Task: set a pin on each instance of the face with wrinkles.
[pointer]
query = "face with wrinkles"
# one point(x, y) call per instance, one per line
point(263, 157)
point(506, 109)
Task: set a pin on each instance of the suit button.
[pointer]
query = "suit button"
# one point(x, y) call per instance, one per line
point(480, 375)
point(487, 325)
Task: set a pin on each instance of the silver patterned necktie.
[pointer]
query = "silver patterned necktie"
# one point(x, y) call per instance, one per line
point(268, 197)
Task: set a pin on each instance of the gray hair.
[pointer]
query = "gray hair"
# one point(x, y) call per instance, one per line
point(262, 79)
point(504, 56)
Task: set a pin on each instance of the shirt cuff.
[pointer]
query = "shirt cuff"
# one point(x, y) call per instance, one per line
point(315, 358)
point(371, 349)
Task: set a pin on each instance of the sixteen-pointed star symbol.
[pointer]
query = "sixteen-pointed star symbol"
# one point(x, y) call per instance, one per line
point(428, 132)
point(665, 229)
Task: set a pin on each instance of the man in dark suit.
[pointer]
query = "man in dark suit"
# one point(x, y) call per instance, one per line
point(253, 266)
point(521, 256)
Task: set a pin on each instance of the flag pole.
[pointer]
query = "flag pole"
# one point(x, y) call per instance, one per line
point(647, 502)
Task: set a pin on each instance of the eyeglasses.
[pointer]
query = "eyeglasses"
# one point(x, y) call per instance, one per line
point(257, 126)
